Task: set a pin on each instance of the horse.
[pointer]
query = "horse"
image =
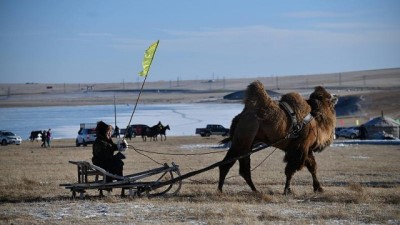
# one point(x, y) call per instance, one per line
point(152, 132)
point(163, 131)
point(35, 135)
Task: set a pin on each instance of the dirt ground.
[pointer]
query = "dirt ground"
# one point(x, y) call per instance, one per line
point(361, 182)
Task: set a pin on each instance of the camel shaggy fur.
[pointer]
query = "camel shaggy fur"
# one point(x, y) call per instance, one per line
point(265, 120)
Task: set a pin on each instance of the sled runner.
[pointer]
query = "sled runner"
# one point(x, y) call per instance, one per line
point(94, 177)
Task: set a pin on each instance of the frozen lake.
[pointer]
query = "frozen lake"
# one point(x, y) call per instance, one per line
point(64, 121)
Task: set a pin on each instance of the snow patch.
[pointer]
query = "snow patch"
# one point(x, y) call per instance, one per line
point(202, 146)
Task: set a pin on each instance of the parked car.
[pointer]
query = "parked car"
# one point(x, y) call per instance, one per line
point(8, 137)
point(348, 132)
point(136, 130)
point(212, 129)
point(86, 136)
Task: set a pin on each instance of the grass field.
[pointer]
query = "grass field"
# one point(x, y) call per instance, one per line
point(361, 182)
point(362, 185)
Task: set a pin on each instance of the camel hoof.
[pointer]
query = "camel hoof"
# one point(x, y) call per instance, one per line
point(318, 190)
point(287, 191)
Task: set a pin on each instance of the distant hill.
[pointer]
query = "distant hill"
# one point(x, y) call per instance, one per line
point(348, 105)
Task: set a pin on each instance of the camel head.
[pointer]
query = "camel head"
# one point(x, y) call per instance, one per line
point(334, 99)
point(322, 98)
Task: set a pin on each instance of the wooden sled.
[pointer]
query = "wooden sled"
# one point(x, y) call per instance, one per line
point(94, 177)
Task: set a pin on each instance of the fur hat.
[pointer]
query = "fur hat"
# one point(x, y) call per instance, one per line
point(102, 128)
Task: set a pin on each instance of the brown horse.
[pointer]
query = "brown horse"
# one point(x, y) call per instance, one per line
point(270, 122)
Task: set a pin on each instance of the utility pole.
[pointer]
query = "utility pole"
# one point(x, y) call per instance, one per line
point(115, 113)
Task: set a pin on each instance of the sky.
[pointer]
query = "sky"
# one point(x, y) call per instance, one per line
point(102, 41)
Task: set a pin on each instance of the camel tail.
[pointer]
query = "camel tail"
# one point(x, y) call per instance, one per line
point(225, 140)
point(232, 129)
point(256, 96)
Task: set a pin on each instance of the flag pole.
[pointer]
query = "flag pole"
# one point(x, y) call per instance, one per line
point(141, 89)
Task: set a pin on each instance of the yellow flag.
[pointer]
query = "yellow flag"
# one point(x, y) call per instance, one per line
point(148, 58)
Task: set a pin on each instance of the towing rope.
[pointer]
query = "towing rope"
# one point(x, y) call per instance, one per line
point(140, 151)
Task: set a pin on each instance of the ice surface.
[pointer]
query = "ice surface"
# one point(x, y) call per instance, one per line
point(64, 121)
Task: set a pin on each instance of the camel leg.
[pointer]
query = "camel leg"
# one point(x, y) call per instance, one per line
point(224, 169)
point(293, 164)
point(289, 172)
point(295, 161)
point(312, 168)
point(245, 172)
point(242, 140)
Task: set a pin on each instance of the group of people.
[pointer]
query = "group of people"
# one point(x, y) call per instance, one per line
point(46, 138)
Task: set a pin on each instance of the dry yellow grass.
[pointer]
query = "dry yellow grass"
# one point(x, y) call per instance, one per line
point(362, 182)
point(361, 186)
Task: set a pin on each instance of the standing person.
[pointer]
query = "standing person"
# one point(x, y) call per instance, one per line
point(363, 132)
point(103, 151)
point(44, 137)
point(129, 133)
point(48, 139)
point(117, 134)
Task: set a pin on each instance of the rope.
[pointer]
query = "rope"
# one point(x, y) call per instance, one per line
point(227, 178)
point(177, 154)
point(138, 151)
point(223, 162)
point(264, 159)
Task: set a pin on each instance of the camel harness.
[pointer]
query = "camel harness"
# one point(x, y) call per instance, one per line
point(296, 126)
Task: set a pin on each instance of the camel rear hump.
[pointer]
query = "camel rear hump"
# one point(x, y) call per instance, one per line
point(256, 96)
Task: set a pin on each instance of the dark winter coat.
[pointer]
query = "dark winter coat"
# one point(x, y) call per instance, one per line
point(103, 156)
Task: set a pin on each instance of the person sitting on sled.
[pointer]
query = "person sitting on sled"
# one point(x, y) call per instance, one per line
point(104, 148)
